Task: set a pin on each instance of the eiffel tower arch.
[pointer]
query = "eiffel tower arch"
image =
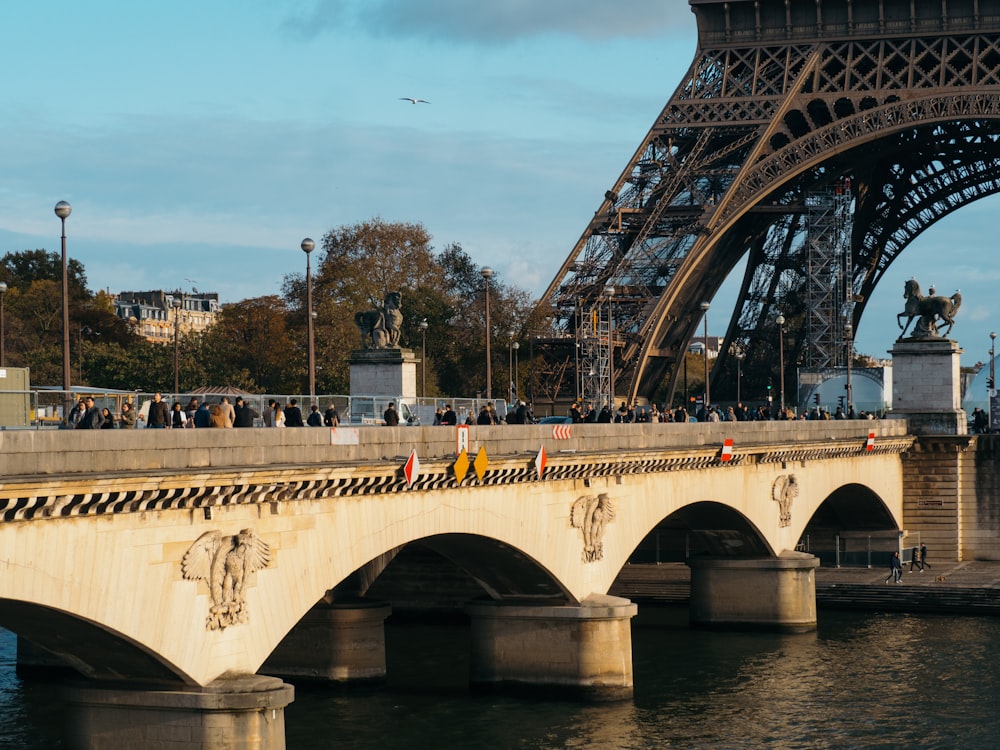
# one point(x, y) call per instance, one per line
point(883, 116)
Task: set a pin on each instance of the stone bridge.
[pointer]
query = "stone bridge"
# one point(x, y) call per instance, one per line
point(174, 569)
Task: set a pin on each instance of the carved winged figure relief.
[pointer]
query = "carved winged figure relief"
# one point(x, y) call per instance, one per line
point(591, 514)
point(784, 491)
point(226, 563)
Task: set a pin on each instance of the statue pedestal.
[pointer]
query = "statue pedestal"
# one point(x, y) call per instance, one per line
point(384, 372)
point(926, 386)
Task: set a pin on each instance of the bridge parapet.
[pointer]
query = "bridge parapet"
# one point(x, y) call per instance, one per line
point(197, 471)
point(30, 454)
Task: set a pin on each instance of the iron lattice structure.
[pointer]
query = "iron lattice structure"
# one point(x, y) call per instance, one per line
point(891, 105)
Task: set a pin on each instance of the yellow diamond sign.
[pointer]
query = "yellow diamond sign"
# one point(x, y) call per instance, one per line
point(461, 466)
point(481, 463)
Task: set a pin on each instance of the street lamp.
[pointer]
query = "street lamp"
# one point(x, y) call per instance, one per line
point(487, 274)
point(993, 354)
point(780, 320)
point(307, 247)
point(177, 327)
point(510, 366)
point(739, 376)
point(708, 390)
point(3, 293)
point(610, 291)
point(422, 325)
point(516, 346)
point(849, 336)
point(63, 210)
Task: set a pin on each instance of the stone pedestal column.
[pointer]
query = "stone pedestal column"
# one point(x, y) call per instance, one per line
point(246, 712)
point(339, 643)
point(578, 652)
point(384, 372)
point(926, 386)
point(774, 593)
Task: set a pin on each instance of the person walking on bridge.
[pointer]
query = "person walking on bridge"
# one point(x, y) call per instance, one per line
point(915, 560)
point(895, 569)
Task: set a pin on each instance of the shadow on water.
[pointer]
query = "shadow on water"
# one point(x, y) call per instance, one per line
point(861, 681)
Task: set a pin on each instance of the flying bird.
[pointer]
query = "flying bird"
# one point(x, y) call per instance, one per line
point(413, 101)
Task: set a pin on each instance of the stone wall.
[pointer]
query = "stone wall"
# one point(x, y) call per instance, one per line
point(60, 452)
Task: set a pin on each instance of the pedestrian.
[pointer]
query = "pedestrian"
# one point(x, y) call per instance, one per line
point(915, 560)
point(895, 569)
point(202, 417)
point(331, 417)
point(293, 414)
point(91, 419)
point(923, 558)
point(178, 418)
point(390, 415)
point(107, 419)
point(228, 410)
point(127, 419)
point(217, 417)
point(278, 416)
point(159, 413)
point(269, 413)
point(244, 414)
point(76, 413)
point(448, 416)
point(315, 418)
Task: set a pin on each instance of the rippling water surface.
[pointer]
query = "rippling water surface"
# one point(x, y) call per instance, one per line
point(861, 681)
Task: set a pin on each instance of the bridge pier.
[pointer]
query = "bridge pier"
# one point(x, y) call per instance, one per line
point(246, 712)
point(775, 593)
point(334, 643)
point(580, 651)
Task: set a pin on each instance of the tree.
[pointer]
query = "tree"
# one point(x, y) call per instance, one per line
point(251, 337)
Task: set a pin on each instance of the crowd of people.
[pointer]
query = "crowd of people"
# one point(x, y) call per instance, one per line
point(85, 415)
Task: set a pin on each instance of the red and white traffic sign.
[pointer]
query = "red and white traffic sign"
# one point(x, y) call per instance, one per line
point(870, 443)
point(412, 468)
point(727, 450)
point(562, 431)
point(540, 461)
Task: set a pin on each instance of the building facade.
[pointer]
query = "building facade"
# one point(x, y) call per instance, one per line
point(156, 317)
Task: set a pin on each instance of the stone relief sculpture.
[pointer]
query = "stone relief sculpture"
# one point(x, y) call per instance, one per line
point(785, 489)
point(380, 327)
point(927, 311)
point(225, 562)
point(590, 514)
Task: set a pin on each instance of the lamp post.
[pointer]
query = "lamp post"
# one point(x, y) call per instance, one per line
point(308, 246)
point(849, 338)
point(487, 274)
point(610, 291)
point(63, 210)
point(708, 389)
point(3, 293)
point(422, 325)
point(510, 366)
point(739, 376)
point(516, 346)
point(780, 320)
point(177, 328)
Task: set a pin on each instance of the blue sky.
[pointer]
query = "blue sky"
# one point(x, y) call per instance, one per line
point(199, 142)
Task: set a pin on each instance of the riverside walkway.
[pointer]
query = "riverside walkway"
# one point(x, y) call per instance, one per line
point(968, 587)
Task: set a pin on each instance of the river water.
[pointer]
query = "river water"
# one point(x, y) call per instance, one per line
point(863, 680)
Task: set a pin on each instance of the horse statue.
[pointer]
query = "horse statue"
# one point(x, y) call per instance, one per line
point(928, 310)
point(380, 327)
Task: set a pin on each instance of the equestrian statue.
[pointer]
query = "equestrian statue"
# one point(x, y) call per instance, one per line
point(380, 327)
point(927, 310)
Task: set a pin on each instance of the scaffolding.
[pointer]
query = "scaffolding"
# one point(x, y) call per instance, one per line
point(594, 341)
point(828, 295)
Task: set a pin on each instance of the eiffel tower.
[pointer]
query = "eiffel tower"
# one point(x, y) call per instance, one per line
point(816, 139)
